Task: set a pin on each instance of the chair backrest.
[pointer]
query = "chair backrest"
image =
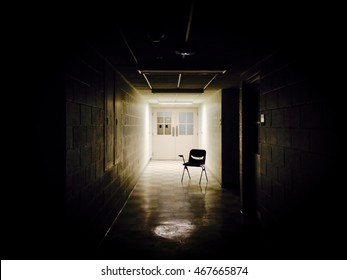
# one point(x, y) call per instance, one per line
point(197, 156)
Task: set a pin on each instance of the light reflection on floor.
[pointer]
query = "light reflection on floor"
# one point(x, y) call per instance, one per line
point(178, 230)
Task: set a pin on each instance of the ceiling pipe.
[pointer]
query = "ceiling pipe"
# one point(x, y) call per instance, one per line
point(127, 44)
point(186, 48)
point(190, 21)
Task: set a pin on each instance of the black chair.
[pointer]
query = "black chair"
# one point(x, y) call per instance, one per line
point(197, 158)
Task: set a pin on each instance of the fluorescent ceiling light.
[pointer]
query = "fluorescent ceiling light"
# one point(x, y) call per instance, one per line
point(175, 102)
point(178, 90)
point(181, 71)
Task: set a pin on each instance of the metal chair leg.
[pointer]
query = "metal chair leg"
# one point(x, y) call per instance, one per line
point(184, 169)
point(205, 173)
point(188, 173)
point(202, 170)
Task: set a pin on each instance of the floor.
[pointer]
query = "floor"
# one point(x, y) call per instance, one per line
point(165, 218)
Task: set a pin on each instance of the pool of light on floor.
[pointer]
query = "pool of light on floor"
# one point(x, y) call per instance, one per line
point(175, 229)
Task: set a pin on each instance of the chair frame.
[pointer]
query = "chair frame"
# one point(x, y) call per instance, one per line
point(188, 163)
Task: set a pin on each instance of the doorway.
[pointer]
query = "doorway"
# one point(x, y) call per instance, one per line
point(250, 146)
point(175, 132)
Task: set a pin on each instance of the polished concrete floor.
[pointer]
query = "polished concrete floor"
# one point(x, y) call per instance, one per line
point(167, 219)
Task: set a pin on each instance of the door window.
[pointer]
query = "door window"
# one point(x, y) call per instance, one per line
point(186, 123)
point(164, 123)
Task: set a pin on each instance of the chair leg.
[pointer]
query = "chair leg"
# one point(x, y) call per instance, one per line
point(205, 173)
point(188, 173)
point(184, 169)
point(202, 170)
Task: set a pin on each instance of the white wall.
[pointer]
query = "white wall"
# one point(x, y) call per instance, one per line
point(210, 133)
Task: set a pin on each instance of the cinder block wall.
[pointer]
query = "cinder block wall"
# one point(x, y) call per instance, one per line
point(297, 147)
point(104, 153)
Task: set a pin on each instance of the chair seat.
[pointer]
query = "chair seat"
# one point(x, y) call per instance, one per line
point(192, 164)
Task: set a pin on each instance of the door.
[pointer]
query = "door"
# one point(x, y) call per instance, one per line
point(250, 147)
point(175, 132)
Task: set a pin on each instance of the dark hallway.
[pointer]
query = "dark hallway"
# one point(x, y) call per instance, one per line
point(81, 177)
point(166, 219)
point(179, 221)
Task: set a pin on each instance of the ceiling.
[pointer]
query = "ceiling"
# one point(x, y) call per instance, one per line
point(145, 47)
point(142, 39)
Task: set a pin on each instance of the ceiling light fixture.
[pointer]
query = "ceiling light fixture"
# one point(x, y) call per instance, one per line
point(185, 49)
point(178, 90)
point(181, 71)
point(155, 36)
point(210, 81)
point(149, 84)
point(175, 102)
point(179, 80)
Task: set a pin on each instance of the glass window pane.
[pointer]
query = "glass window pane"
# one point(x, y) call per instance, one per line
point(167, 114)
point(160, 129)
point(182, 129)
point(190, 129)
point(189, 117)
point(182, 117)
point(160, 116)
point(167, 129)
point(167, 119)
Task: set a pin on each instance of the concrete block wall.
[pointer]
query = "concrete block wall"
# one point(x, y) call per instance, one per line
point(105, 120)
point(85, 145)
point(297, 154)
point(132, 142)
